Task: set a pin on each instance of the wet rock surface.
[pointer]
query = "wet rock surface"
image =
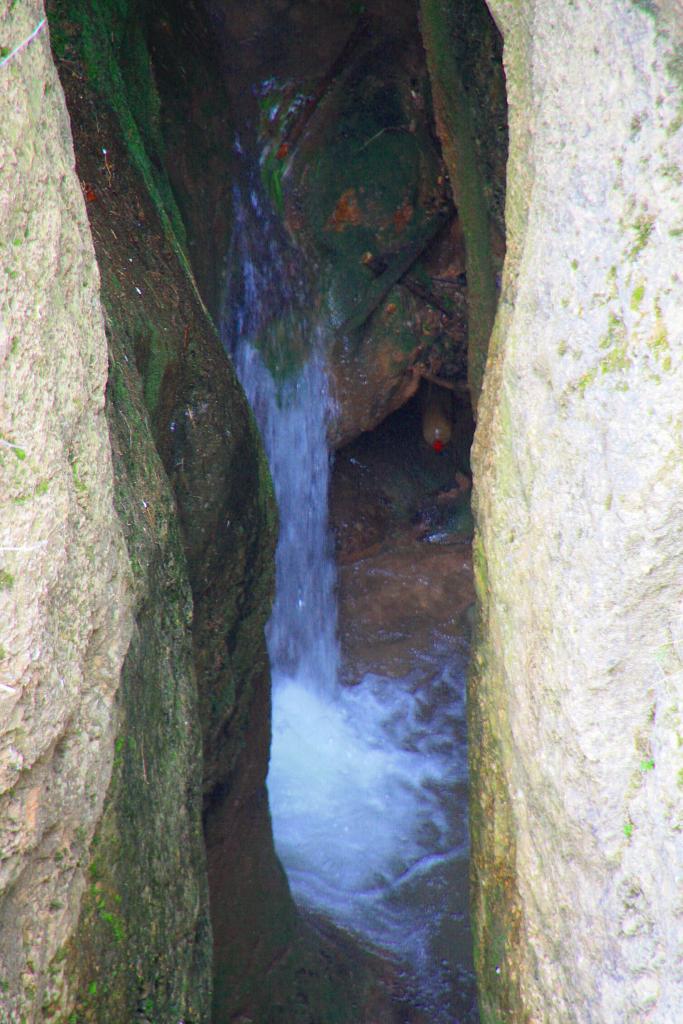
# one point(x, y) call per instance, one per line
point(348, 158)
point(393, 602)
point(193, 496)
point(391, 484)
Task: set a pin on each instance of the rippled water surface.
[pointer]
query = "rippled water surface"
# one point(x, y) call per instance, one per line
point(368, 793)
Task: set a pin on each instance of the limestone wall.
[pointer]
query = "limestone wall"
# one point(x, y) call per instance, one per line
point(575, 703)
point(65, 617)
point(104, 913)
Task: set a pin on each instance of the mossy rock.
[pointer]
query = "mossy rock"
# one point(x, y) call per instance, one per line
point(365, 183)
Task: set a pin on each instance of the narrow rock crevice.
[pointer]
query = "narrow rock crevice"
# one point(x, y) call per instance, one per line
point(369, 144)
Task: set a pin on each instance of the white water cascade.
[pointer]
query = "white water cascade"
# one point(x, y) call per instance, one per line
point(367, 783)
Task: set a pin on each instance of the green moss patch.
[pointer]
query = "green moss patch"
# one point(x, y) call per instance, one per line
point(637, 297)
point(642, 229)
point(108, 36)
point(6, 580)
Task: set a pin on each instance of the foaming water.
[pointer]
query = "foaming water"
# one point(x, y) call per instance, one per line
point(367, 783)
point(363, 793)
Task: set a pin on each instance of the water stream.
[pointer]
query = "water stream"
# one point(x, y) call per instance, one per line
point(367, 782)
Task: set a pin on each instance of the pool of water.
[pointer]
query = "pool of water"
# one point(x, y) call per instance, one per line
point(368, 782)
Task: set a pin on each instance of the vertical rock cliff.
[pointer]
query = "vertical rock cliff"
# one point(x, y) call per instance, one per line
point(575, 706)
point(137, 548)
point(65, 577)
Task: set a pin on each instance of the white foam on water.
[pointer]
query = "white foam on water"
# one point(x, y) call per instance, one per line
point(359, 796)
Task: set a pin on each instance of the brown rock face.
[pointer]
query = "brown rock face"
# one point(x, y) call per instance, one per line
point(342, 135)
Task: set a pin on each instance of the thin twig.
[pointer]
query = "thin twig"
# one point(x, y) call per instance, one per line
point(21, 46)
point(389, 128)
point(25, 547)
point(459, 388)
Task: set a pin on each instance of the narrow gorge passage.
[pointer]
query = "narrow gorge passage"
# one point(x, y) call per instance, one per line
point(346, 316)
point(347, 161)
point(405, 601)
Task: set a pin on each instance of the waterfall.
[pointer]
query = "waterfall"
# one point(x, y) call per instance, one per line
point(292, 417)
point(363, 779)
point(301, 633)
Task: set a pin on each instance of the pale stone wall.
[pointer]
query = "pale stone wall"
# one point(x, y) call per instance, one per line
point(576, 701)
point(64, 607)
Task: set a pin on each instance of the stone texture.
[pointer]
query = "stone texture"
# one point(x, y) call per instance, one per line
point(463, 55)
point(370, 249)
point(193, 494)
point(365, 196)
point(65, 598)
point(195, 124)
point(104, 909)
point(575, 704)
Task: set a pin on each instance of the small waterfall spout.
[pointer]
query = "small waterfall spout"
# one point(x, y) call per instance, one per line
point(292, 416)
point(301, 633)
